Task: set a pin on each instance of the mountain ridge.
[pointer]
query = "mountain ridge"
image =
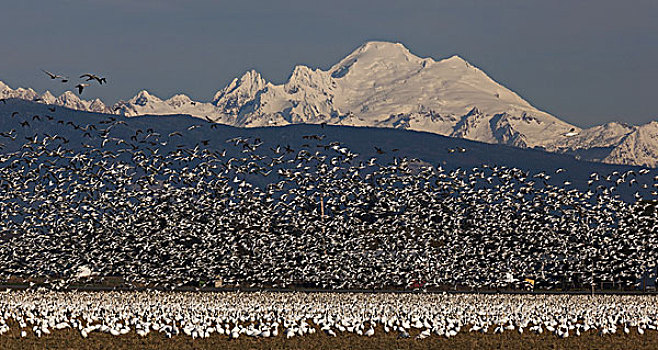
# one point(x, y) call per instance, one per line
point(383, 84)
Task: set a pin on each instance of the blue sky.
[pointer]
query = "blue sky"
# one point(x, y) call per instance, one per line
point(585, 61)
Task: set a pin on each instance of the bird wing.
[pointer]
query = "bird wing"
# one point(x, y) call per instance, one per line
point(49, 74)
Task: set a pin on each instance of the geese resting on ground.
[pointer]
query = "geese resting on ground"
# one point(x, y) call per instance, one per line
point(267, 315)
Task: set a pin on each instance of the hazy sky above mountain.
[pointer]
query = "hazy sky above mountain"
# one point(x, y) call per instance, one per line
point(585, 61)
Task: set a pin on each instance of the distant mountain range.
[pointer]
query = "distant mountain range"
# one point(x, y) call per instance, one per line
point(382, 84)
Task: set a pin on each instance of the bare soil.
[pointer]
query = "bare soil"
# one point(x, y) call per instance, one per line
point(70, 339)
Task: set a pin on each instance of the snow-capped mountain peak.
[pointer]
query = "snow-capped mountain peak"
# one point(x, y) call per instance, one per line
point(239, 91)
point(48, 97)
point(146, 103)
point(143, 98)
point(69, 100)
point(25, 94)
point(69, 96)
point(384, 84)
point(98, 106)
point(377, 55)
point(615, 143)
point(180, 98)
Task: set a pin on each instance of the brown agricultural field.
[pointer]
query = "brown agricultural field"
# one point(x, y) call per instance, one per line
point(69, 339)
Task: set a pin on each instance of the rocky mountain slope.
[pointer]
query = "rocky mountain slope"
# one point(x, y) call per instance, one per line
point(614, 143)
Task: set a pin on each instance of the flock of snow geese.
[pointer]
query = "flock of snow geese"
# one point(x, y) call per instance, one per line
point(268, 315)
point(120, 202)
point(163, 216)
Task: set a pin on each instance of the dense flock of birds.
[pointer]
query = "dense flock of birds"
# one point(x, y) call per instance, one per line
point(158, 213)
point(269, 315)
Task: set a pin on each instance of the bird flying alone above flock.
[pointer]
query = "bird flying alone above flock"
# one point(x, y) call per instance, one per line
point(56, 76)
point(80, 87)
